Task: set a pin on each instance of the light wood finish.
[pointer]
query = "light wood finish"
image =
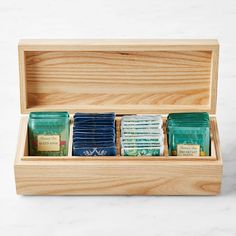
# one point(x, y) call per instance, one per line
point(23, 90)
point(128, 77)
point(117, 44)
point(117, 175)
point(118, 178)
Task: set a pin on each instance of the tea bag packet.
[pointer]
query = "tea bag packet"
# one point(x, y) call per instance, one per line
point(188, 134)
point(141, 135)
point(48, 133)
point(94, 134)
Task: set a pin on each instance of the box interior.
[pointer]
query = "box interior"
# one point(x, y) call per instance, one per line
point(133, 77)
point(126, 77)
point(213, 155)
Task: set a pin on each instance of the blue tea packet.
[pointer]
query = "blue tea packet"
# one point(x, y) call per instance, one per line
point(93, 144)
point(94, 134)
point(98, 123)
point(95, 115)
point(96, 128)
point(94, 131)
point(94, 151)
point(93, 140)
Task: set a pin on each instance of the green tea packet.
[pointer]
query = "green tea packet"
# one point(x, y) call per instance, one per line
point(189, 115)
point(142, 151)
point(142, 135)
point(188, 134)
point(48, 133)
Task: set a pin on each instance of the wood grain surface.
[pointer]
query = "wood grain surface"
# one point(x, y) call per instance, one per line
point(180, 78)
point(127, 77)
point(117, 175)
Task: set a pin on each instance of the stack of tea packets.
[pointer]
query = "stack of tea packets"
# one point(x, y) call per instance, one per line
point(48, 133)
point(141, 135)
point(188, 134)
point(94, 134)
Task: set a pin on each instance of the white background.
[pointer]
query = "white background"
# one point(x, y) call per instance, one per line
point(116, 19)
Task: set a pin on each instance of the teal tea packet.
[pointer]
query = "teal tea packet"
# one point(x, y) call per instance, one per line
point(48, 133)
point(188, 134)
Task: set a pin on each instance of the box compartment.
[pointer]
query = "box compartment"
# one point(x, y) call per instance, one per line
point(212, 157)
point(117, 175)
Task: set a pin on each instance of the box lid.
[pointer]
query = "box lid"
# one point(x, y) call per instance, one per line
point(125, 76)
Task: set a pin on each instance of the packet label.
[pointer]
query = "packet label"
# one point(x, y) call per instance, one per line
point(48, 143)
point(188, 150)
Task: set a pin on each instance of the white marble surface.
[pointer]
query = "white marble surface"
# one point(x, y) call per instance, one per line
point(116, 19)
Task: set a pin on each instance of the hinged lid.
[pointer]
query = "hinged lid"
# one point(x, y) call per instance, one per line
point(125, 76)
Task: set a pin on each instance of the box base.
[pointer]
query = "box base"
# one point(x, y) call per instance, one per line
point(116, 175)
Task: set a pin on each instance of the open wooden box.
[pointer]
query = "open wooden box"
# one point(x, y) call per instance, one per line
point(127, 77)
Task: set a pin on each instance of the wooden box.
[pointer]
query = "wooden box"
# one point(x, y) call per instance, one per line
point(127, 77)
